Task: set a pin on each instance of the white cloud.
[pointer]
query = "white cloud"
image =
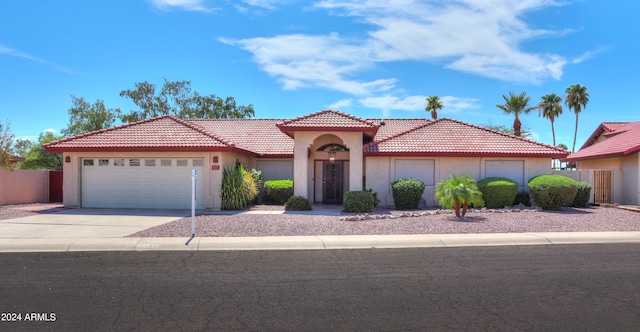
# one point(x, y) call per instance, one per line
point(341, 104)
point(189, 5)
point(12, 52)
point(451, 105)
point(479, 37)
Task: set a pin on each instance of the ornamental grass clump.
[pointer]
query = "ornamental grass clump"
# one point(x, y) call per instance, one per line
point(498, 192)
point(552, 192)
point(407, 193)
point(238, 188)
point(458, 192)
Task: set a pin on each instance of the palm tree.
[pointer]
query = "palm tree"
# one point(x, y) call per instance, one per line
point(576, 98)
point(550, 108)
point(434, 104)
point(516, 104)
point(458, 192)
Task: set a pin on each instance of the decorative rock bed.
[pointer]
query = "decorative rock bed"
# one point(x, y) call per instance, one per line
point(367, 216)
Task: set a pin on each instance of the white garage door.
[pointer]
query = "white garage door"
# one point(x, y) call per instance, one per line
point(420, 169)
point(510, 169)
point(141, 183)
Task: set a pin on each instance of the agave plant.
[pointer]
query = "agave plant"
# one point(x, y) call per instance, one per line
point(458, 192)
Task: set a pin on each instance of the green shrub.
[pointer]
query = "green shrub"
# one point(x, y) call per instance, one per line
point(522, 197)
point(551, 192)
point(407, 193)
point(498, 192)
point(277, 191)
point(376, 200)
point(358, 201)
point(583, 195)
point(238, 188)
point(297, 203)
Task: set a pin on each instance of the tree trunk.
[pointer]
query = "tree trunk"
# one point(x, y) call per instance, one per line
point(516, 127)
point(575, 133)
point(456, 208)
point(464, 208)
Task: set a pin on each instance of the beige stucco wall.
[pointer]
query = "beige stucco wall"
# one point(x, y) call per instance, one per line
point(212, 178)
point(380, 172)
point(23, 186)
point(626, 176)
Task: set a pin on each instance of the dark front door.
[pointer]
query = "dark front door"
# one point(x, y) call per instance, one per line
point(332, 182)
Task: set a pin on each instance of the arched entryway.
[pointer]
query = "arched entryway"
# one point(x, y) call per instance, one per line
point(331, 169)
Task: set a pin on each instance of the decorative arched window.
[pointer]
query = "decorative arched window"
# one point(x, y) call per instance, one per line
point(331, 149)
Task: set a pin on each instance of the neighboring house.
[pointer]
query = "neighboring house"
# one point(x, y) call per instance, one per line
point(13, 160)
point(148, 164)
point(611, 160)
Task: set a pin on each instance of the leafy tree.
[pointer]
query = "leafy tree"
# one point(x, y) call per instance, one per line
point(516, 104)
point(178, 99)
point(550, 108)
point(21, 146)
point(434, 104)
point(38, 158)
point(576, 99)
point(458, 192)
point(6, 143)
point(85, 117)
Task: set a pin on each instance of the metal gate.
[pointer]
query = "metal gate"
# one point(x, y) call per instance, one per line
point(55, 186)
point(601, 187)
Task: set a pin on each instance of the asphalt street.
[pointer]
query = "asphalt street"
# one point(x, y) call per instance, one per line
point(592, 287)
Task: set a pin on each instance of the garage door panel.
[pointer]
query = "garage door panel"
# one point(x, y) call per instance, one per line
point(148, 185)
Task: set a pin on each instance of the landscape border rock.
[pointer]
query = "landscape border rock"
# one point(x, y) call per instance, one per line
point(409, 214)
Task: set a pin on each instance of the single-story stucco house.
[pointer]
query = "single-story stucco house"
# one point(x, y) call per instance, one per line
point(148, 164)
point(610, 158)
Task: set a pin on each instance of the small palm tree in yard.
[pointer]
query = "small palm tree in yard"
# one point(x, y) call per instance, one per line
point(458, 192)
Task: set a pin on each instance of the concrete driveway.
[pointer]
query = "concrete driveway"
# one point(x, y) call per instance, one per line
point(87, 223)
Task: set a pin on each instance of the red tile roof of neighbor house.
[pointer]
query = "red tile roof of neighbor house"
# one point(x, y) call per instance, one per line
point(603, 128)
point(262, 137)
point(622, 141)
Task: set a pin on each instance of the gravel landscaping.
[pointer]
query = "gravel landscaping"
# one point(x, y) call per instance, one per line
point(593, 219)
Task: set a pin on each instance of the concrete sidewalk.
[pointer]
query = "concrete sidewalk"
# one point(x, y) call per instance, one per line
point(320, 242)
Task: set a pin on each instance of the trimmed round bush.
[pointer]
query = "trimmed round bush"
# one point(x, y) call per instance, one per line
point(498, 192)
point(277, 191)
point(358, 201)
point(583, 195)
point(297, 203)
point(551, 192)
point(407, 193)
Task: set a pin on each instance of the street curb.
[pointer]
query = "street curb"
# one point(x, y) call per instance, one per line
point(320, 242)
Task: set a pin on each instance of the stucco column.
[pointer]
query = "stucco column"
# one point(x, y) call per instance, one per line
point(300, 164)
point(355, 162)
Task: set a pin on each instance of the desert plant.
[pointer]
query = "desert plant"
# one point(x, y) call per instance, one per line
point(458, 192)
point(277, 191)
point(297, 203)
point(551, 192)
point(522, 197)
point(582, 195)
point(407, 193)
point(358, 201)
point(498, 192)
point(237, 188)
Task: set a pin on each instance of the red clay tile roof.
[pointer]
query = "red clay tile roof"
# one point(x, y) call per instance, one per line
point(328, 120)
point(257, 135)
point(447, 137)
point(603, 128)
point(164, 133)
point(622, 141)
point(261, 137)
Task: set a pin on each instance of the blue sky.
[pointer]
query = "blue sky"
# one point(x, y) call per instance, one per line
point(375, 58)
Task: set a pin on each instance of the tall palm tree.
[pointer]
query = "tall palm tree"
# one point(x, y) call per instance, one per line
point(516, 104)
point(550, 108)
point(576, 99)
point(434, 104)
